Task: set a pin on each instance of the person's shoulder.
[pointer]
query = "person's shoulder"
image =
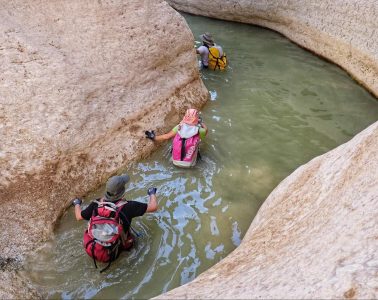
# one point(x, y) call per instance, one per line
point(202, 132)
point(133, 203)
point(202, 48)
point(93, 203)
point(201, 129)
point(134, 208)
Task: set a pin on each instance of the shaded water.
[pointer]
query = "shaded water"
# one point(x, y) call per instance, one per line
point(275, 108)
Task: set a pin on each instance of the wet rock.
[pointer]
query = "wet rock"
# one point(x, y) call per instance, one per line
point(15, 287)
point(344, 32)
point(80, 82)
point(314, 237)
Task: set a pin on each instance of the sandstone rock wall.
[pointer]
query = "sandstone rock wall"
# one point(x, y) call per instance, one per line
point(316, 235)
point(343, 31)
point(80, 81)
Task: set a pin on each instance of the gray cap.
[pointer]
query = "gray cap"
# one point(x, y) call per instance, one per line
point(115, 187)
point(207, 38)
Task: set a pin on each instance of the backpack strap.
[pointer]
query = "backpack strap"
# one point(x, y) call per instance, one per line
point(109, 206)
point(109, 263)
point(93, 254)
point(199, 155)
point(118, 207)
point(216, 57)
point(95, 211)
point(137, 234)
point(121, 203)
point(183, 152)
point(107, 203)
point(114, 253)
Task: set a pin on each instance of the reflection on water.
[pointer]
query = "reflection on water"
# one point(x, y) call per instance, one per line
point(274, 109)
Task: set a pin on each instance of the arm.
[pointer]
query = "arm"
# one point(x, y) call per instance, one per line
point(203, 125)
point(78, 212)
point(76, 203)
point(152, 136)
point(201, 50)
point(152, 205)
point(164, 137)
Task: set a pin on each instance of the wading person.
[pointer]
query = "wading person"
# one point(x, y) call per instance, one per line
point(110, 219)
point(212, 55)
point(186, 139)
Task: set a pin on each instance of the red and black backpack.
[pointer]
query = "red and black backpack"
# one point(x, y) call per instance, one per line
point(103, 237)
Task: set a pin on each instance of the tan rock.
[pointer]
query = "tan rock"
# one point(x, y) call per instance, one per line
point(345, 32)
point(80, 82)
point(316, 235)
point(14, 286)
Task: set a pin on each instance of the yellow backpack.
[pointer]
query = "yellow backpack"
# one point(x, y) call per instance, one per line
point(215, 60)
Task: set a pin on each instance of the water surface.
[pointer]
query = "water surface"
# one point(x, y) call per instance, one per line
point(275, 108)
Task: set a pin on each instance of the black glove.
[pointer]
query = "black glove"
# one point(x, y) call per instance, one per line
point(150, 134)
point(151, 191)
point(76, 202)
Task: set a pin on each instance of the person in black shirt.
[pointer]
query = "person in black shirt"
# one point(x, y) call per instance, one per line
point(115, 191)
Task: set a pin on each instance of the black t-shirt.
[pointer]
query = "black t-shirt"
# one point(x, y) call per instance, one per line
point(130, 210)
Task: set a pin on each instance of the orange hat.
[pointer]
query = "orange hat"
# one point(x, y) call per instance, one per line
point(191, 117)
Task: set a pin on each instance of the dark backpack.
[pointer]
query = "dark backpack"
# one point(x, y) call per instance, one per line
point(103, 238)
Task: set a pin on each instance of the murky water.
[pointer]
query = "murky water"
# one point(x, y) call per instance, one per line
point(275, 108)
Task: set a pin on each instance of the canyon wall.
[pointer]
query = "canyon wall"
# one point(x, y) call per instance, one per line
point(80, 83)
point(343, 31)
point(315, 236)
point(82, 80)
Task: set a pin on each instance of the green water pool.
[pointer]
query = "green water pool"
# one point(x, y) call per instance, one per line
point(275, 108)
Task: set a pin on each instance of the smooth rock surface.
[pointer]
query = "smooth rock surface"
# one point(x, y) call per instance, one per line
point(343, 31)
point(316, 235)
point(80, 83)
